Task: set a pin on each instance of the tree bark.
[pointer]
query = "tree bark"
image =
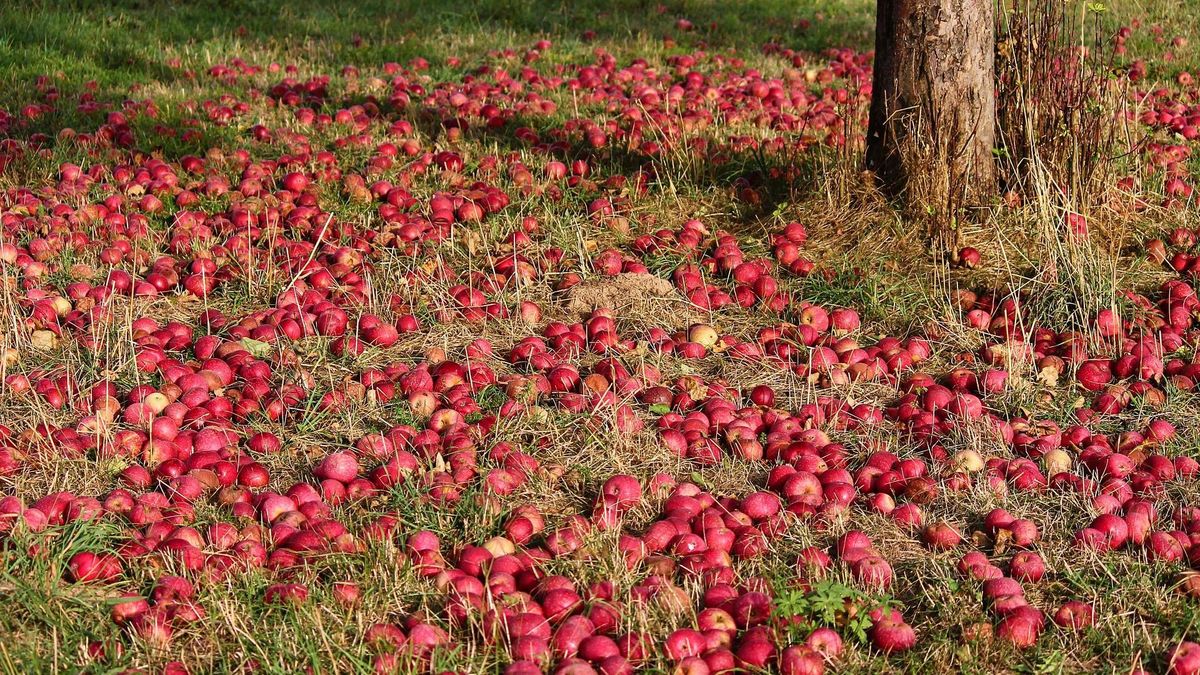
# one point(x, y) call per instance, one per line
point(933, 107)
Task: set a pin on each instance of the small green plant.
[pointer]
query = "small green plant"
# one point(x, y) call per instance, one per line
point(828, 603)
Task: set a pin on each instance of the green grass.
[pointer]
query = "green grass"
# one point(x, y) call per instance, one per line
point(126, 43)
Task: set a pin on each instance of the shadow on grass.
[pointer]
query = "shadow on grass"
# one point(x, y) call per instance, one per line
point(119, 43)
point(122, 45)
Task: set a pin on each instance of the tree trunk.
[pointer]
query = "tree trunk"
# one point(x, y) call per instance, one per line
point(933, 107)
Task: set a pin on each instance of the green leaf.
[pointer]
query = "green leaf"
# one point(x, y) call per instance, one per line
point(257, 348)
point(660, 408)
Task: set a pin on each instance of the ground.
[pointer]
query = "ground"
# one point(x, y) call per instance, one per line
point(396, 337)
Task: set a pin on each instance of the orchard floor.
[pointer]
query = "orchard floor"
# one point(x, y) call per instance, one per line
point(536, 337)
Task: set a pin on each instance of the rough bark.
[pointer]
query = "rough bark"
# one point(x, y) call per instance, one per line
point(932, 122)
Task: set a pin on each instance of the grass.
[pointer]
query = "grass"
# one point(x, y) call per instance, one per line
point(868, 259)
point(118, 45)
